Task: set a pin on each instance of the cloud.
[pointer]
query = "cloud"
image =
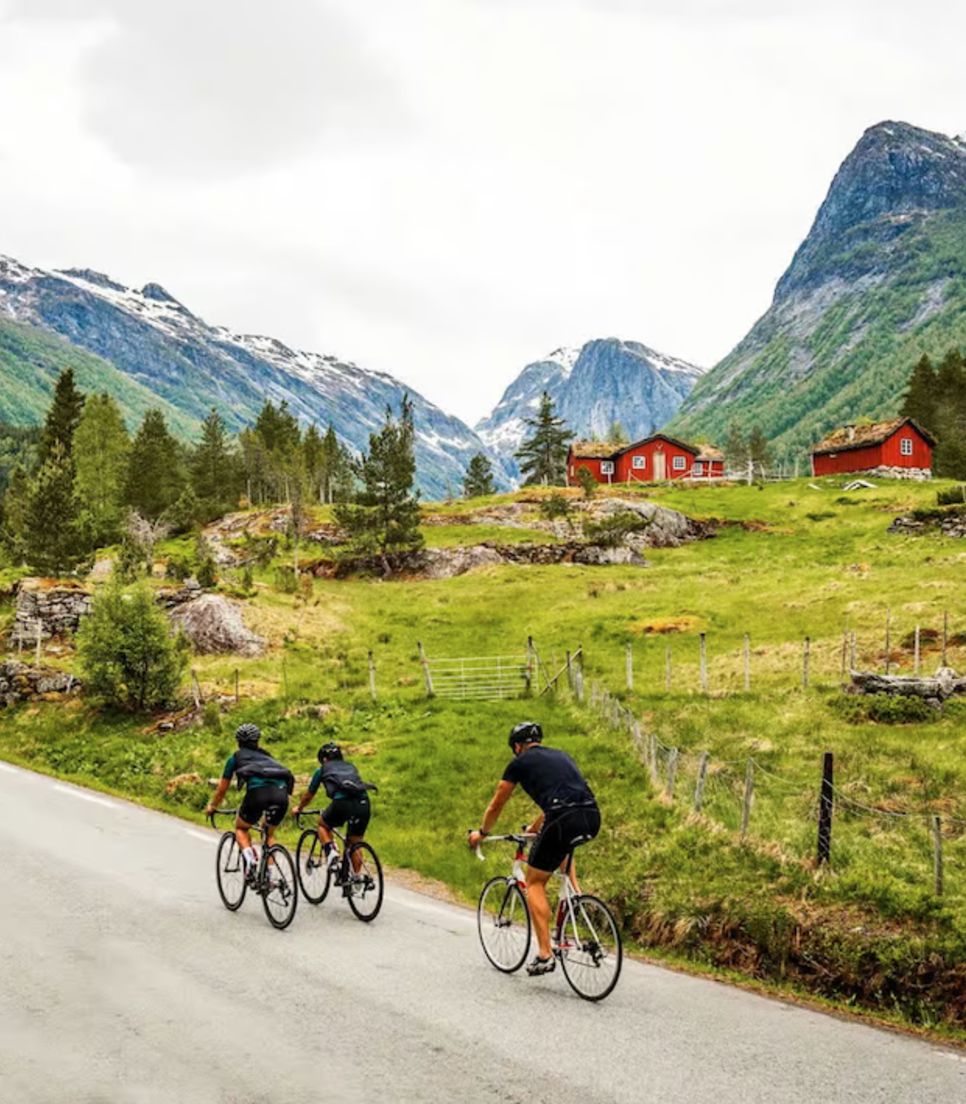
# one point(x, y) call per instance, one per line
point(224, 86)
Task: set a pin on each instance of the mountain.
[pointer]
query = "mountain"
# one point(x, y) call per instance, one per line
point(149, 349)
point(880, 280)
point(604, 381)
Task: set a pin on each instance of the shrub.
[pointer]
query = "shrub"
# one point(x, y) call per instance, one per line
point(884, 709)
point(610, 531)
point(554, 506)
point(177, 568)
point(129, 656)
point(588, 484)
point(952, 496)
point(286, 581)
point(207, 573)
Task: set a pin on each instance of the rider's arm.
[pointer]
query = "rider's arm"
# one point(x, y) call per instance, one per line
point(310, 792)
point(219, 795)
point(536, 824)
point(500, 797)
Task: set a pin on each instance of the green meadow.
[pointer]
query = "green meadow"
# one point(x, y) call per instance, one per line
point(788, 561)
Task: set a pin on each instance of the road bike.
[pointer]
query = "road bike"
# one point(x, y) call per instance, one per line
point(358, 874)
point(273, 879)
point(585, 938)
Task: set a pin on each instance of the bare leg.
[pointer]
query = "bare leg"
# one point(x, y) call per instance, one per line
point(324, 834)
point(573, 874)
point(356, 857)
point(243, 833)
point(539, 908)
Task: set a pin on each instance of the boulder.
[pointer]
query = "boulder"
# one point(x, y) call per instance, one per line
point(445, 563)
point(599, 555)
point(214, 625)
point(666, 528)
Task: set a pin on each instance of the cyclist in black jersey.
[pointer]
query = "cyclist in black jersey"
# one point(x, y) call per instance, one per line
point(568, 817)
point(348, 800)
point(267, 788)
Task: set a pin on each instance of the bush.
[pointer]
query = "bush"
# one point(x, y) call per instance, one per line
point(129, 656)
point(286, 581)
point(951, 497)
point(554, 506)
point(177, 568)
point(610, 531)
point(588, 484)
point(884, 709)
point(207, 574)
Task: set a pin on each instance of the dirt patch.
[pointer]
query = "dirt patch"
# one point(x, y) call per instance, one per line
point(662, 626)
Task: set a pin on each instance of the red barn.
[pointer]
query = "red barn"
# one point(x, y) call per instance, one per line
point(652, 460)
point(899, 449)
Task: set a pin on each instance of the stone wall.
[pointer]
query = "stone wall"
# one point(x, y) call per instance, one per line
point(57, 607)
point(21, 682)
point(884, 472)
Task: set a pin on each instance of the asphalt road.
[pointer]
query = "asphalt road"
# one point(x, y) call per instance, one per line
point(123, 979)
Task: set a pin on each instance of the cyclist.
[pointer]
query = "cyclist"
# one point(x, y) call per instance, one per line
point(267, 788)
point(348, 801)
point(568, 817)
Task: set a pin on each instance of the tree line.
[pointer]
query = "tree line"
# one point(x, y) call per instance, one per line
point(936, 400)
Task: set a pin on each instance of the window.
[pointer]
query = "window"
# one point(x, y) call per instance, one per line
point(905, 446)
point(638, 462)
point(679, 463)
point(698, 468)
point(607, 467)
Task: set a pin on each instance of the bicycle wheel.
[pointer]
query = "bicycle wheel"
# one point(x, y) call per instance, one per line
point(230, 872)
point(280, 893)
point(363, 885)
point(503, 921)
point(313, 869)
point(589, 948)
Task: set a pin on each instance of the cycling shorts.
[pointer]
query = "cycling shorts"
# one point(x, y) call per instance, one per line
point(269, 800)
point(353, 812)
point(562, 831)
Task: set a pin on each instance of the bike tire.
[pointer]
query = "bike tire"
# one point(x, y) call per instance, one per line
point(503, 923)
point(312, 865)
point(230, 872)
point(365, 897)
point(591, 957)
point(280, 890)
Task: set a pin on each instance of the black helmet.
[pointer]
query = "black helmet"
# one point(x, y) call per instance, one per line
point(329, 751)
point(248, 735)
point(526, 732)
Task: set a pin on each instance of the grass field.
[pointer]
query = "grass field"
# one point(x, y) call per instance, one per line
point(788, 562)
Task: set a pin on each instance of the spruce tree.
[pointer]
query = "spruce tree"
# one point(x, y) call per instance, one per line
point(543, 454)
point(313, 458)
point(920, 399)
point(736, 447)
point(214, 469)
point(155, 476)
point(950, 418)
point(759, 451)
point(62, 417)
point(479, 477)
point(384, 515)
point(617, 435)
point(13, 522)
point(101, 448)
point(52, 540)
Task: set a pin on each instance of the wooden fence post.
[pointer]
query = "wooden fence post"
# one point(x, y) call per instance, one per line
point(747, 652)
point(806, 656)
point(667, 668)
point(888, 640)
point(917, 651)
point(236, 686)
point(652, 741)
point(372, 675)
point(703, 673)
point(629, 667)
point(699, 784)
point(945, 634)
point(529, 672)
point(672, 769)
point(845, 650)
point(570, 673)
point(937, 857)
point(852, 651)
point(825, 803)
point(40, 641)
point(427, 675)
point(749, 791)
point(196, 689)
point(579, 674)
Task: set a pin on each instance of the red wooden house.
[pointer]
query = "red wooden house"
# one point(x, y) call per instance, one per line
point(900, 449)
point(651, 460)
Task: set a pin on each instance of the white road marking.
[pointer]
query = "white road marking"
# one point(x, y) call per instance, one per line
point(84, 796)
point(206, 836)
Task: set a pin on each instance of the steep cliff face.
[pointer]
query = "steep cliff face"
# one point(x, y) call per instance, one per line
point(163, 349)
point(880, 279)
point(605, 381)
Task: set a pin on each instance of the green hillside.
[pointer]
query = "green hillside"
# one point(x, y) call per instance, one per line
point(30, 362)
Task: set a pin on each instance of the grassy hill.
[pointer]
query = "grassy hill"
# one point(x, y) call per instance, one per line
point(789, 561)
point(30, 362)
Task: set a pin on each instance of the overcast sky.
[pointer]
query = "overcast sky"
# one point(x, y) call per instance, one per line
point(448, 189)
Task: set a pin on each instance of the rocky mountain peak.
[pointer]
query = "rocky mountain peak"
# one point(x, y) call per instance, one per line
point(895, 175)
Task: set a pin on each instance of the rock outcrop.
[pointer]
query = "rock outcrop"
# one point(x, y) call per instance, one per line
point(214, 626)
point(56, 607)
point(949, 523)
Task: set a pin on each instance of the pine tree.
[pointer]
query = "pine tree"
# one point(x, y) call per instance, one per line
point(950, 429)
point(101, 448)
point(13, 523)
point(617, 435)
point(313, 458)
point(62, 417)
point(920, 399)
point(52, 540)
point(479, 477)
point(155, 476)
point(543, 455)
point(214, 469)
point(339, 481)
point(759, 451)
point(736, 447)
point(384, 516)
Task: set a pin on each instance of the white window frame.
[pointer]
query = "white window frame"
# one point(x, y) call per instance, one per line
point(639, 463)
point(905, 446)
point(679, 463)
point(607, 467)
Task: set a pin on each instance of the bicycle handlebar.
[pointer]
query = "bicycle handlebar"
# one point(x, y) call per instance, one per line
point(306, 812)
point(519, 838)
point(220, 812)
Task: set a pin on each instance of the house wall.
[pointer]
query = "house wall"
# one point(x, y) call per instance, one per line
point(886, 454)
point(593, 463)
point(627, 473)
